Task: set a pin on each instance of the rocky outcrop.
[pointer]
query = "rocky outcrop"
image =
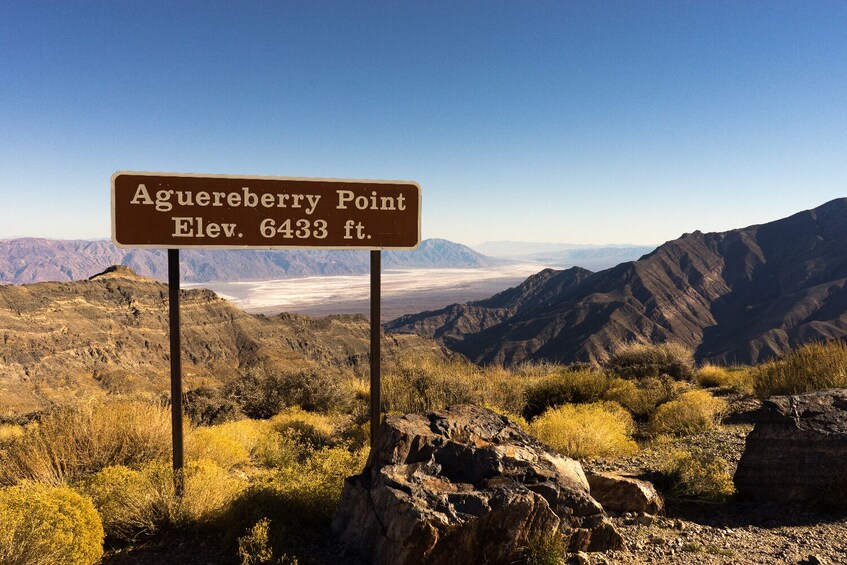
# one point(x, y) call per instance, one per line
point(797, 452)
point(741, 296)
point(622, 493)
point(464, 485)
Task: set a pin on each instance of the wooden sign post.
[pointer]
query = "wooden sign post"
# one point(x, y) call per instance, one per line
point(186, 211)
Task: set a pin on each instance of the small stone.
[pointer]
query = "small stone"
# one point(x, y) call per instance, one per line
point(679, 525)
point(581, 559)
point(813, 560)
point(645, 519)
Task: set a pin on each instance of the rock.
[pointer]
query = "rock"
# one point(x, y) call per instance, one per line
point(797, 450)
point(464, 485)
point(622, 493)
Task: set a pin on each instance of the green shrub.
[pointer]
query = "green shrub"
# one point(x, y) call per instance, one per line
point(73, 442)
point(262, 394)
point(563, 387)
point(308, 428)
point(693, 412)
point(698, 475)
point(641, 397)
point(587, 431)
point(814, 366)
point(254, 546)
point(636, 360)
point(46, 525)
point(545, 550)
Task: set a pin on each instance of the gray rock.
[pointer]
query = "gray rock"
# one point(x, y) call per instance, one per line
point(464, 485)
point(798, 449)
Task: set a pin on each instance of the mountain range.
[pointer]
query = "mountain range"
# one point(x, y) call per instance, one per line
point(29, 260)
point(741, 296)
point(563, 255)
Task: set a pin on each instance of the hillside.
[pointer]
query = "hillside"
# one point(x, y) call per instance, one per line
point(741, 296)
point(30, 260)
point(109, 335)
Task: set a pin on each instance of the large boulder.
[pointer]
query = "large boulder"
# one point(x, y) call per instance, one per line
point(623, 493)
point(797, 452)
point(464, 485)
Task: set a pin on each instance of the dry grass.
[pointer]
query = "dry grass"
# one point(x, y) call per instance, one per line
point(74, 442)
point(641, 397)
point(736, 379)
point(638, 360)
point(564, 387)
point(693, 412)
point(815, 366)
point(587, 431)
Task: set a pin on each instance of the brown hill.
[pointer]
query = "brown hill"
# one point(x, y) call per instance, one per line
point(109, 334)
point(741, 296)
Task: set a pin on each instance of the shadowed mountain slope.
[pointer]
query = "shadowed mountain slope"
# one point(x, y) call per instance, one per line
point(30, 260)
point(741, 296)
point(109, 335)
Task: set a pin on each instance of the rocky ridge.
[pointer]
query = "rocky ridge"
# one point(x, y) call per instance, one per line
point(109, 335)
point(742, 296)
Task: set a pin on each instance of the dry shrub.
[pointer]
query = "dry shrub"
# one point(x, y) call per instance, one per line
point(144, 502)
point(254, 546)
point(74, 442)
point(44, 525)
point(10, 432)
point(815, 366)
point(693, 412)
point(279, 450)
point(262, 393)
point(697, 474)
point(587, 431)
point(206, 406)
point(638, 360)
point(564, 387)
point(643, 396)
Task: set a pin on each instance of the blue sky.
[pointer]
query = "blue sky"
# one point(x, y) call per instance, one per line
point(579, 122)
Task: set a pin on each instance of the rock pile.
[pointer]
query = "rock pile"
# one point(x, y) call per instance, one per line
point(465, 485)
point(798, 450)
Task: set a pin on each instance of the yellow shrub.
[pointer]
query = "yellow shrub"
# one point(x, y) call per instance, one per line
point(639, 360)
point(46, 525)
point(215, 445)
point(587, 431)
point(711, 376)
point(74, 442)
point(643, 396)
point(303, 495)
point(126, 501)
point(692, 412)
point(314, 429)
point(697, 474)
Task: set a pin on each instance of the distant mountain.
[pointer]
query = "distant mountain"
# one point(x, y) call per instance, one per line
point(29, 260)
point(564, 255)
point(109, 335)
point(741, 296)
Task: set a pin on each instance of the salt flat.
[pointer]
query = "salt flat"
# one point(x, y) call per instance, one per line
point(403, 290)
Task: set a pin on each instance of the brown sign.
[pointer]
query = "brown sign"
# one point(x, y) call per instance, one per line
point(217, 211)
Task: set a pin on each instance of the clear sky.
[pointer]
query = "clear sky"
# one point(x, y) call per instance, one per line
point(579, 122)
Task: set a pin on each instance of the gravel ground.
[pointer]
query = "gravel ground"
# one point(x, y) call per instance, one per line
point(731, 532)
